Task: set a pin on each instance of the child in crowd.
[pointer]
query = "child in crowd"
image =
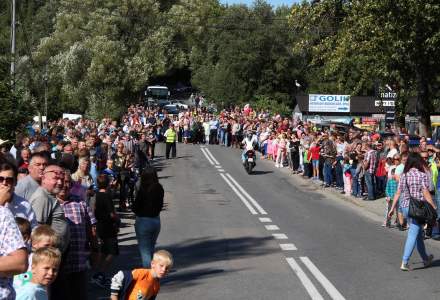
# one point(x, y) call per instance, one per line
point(107, 229)
point(347, 175)
point(306, 162)
point(25, 229)
point(313, 156)
point(390, 191)
point(45, 265)
point(42, 236)
point(281, 151)
point(142, 283)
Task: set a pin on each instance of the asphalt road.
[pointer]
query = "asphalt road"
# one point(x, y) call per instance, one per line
point(269, 236)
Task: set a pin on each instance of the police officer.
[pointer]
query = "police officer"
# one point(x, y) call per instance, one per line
point(170, 140)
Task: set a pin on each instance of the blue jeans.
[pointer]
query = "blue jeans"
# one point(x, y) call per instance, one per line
point(147, 231)
point(355, 187)
point(338, 172)
point(369, 181)
point(414, 239)
point(327, 173)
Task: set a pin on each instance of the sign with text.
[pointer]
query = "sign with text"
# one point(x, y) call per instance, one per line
point(329, 103)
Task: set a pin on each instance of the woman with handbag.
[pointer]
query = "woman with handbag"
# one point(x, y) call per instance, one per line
point(416, 202)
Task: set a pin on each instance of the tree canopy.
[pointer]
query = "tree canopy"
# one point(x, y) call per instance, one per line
point(98, 56)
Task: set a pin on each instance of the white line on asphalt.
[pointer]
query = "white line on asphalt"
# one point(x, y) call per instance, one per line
point(218, 167)
point(221, 170)
point(272, 227)
point(212, 156)
point(328, 286)
point(243, 199)
point(265, 220)
point(209, 159)
point(280, 236)
point(252, 200)
point(311, 289)
point(288, 247)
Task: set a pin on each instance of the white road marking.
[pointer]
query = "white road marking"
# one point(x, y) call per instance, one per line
point(280, 236)
point(252, 200)
point(265, 220)
point(212, 156)
point(206, 155)
point(328, 286)
point(272, 227)
point(218, 167)
point(311, 289)
point(288, 247)
point(221, 170)
point(243, 199)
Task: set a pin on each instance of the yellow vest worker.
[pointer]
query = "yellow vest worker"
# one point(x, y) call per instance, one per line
point(171, 138)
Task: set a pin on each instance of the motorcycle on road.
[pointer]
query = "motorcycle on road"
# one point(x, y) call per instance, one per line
point(249, 162)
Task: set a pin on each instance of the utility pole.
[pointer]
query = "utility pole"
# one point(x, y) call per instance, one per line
point(45, 97)
point(13, 45)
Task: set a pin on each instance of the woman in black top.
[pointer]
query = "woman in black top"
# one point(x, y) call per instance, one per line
point(147, 206)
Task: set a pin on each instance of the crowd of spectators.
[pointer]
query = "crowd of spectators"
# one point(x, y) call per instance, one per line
point(56, 201)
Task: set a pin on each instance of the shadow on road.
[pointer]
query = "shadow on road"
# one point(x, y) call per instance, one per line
point(192, 254)
point(257, 172)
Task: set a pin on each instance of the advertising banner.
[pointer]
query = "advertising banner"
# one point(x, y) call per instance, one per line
point(329, 103)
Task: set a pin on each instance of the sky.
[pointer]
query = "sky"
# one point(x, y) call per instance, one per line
point(272, 2)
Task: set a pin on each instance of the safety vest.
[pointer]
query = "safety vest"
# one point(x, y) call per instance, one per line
point(171, 136)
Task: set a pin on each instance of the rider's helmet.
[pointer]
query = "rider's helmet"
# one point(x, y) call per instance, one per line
point(249, 135)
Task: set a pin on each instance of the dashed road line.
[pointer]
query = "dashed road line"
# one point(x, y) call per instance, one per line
point(243, 199)
point(265, 220)
point(218, 167)
point(307, 283)
point(272, 227)
point(288, 247)
point(328, 286)
point(221, 170)
point(280, 236)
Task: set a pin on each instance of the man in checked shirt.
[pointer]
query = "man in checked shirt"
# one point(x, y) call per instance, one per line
point(370, 163)
point(82, 230)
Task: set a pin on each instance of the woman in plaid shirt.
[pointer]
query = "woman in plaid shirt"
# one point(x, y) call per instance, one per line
point(413, 183)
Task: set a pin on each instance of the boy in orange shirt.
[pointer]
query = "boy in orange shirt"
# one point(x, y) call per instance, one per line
point(142, 283)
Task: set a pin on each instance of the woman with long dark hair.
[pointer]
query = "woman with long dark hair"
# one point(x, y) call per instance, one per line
point(147, 205)
point(414, 183)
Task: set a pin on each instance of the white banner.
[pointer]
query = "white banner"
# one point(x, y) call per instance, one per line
point(329, 103)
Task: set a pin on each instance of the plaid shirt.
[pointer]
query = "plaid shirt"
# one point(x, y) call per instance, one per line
point(391, 188)
point(417, 181)
point(371, 159)
point(79, 217)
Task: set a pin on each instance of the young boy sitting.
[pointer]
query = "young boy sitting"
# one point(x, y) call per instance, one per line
point(142, 283)
point(45, 264)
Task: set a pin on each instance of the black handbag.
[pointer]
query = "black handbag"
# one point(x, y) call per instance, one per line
point(420, 210)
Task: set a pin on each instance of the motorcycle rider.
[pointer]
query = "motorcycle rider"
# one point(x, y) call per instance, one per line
point(249, 143)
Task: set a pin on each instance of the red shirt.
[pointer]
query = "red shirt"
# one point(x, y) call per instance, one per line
point(315, 152)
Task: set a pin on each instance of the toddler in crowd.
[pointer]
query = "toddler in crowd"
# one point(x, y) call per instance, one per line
point(346, 169)
point(45, 265)
point(42, 236)
point(142, 283)
point(390, 191)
